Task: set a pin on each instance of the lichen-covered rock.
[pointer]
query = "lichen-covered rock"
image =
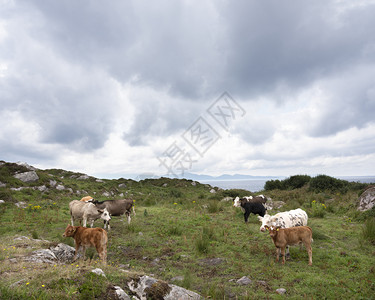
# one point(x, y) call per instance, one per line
point(367, 199)
point(150, 288)
point(63, 252)
point(30, 176)
point(42, 256)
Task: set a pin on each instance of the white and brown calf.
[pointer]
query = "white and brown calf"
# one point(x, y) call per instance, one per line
point(282, 237)
point(86, 211)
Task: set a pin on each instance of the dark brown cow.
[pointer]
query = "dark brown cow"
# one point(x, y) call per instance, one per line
point(116, 208)
point(88, 237)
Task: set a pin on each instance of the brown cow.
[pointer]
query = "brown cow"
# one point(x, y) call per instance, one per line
point(283, 237)
point(88, 237)
point(87, 199)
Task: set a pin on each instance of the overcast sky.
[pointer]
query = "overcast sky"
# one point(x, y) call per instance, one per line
point(120, 88)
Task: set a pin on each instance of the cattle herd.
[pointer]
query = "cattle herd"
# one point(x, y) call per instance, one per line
point(285, 228)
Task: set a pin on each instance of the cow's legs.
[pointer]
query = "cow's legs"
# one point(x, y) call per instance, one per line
point(72, 220)
point(277, 254)
point(246, 216)
point(283, 254)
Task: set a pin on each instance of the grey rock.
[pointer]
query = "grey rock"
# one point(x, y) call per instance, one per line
point(367, 199)
point(281, 291)
point(122, 186)
point(26, 165)
point(63, 252)
point(98, 272)
point(244, 281)
point(194, 183)
point(83, 177)
point(212, 191)
point(227, 199)
point(147, 287)
point(99, 180)
point(18, 189)
point(42, 256)
point(106, 194)
point(70, 190)
point(21, 204)
point(2, 184)
point(2, 201)
point(120, 293)
point(30, 176)
point(60, 187)
point(41, 188)
point(13, 260)
point(52, 183)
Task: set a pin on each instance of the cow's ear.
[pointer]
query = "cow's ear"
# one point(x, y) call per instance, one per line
point(267, 228)
point(100, 210)
point(260, 218)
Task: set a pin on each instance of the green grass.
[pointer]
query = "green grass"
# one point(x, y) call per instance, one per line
point(200, 238)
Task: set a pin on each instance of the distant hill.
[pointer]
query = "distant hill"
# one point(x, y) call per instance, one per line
point(202, 177)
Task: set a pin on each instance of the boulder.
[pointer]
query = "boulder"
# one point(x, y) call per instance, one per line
point(2, 184)
point(150, 288)
point(26, 165)
point(244, 281)
point(52, 182)
point(212, 191)
point(83, 177)
point(42, 256)
point(122, 186)
point(30, 176)
point(63, 252)
point(367, 199)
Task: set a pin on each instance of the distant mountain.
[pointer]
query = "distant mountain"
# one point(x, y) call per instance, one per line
point(202, 177)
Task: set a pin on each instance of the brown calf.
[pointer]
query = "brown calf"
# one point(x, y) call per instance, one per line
point(283, 237)
point(88, 237)
point(87, 199)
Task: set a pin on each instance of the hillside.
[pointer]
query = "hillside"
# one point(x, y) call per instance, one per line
point(183, 233)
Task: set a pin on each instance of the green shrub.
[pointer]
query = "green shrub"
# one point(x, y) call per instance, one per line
point(202, 244)
point(323, 183)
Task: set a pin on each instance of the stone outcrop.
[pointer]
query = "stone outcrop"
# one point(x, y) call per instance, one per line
point(30, 176)
point(150, 288)
point(367, 199)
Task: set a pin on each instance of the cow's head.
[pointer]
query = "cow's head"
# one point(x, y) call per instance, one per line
point(69, 231)
point(273, 230)
point(237, 202)
point(104, 214)
point(266, 221)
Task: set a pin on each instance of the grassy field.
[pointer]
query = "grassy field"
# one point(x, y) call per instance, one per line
point(183, 230)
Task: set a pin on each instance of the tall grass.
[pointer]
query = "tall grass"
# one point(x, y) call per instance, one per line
point(368, 230)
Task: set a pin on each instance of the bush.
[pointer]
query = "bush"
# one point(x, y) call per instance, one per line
point(323, 182)
point(291, 183)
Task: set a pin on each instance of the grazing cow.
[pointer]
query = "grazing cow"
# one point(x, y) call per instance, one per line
point(87, 199)
point(87, 211)
point(88, 237)
point(116, 208)
point(250, 207)
point(257, 199)
point(282, 237)
point(286, 219)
